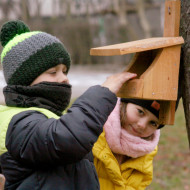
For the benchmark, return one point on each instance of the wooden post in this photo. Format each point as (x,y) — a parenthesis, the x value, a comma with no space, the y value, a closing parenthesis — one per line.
(172,18)
(171,29)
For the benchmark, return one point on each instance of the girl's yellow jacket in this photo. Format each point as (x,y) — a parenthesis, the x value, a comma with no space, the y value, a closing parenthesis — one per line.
(134,174)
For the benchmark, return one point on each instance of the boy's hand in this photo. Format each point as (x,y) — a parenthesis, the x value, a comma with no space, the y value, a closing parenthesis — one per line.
(115,82)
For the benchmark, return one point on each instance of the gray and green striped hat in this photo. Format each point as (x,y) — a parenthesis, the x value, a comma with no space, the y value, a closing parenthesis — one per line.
(27,54)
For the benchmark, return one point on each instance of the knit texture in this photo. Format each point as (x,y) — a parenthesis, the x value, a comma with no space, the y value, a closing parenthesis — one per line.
(151,105)
(27,54)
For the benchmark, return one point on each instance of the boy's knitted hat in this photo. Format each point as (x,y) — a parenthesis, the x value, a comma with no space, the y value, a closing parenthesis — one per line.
(27,54)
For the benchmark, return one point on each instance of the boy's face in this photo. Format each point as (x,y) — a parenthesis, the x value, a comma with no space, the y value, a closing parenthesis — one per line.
(139,121)
(54,74)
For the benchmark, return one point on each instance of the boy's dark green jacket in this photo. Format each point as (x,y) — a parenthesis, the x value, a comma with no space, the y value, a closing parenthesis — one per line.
(46,152)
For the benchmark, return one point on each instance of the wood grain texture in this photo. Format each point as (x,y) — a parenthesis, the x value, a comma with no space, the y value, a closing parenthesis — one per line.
(136,46)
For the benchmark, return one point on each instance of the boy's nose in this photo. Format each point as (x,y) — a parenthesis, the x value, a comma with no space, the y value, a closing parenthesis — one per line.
(62,78)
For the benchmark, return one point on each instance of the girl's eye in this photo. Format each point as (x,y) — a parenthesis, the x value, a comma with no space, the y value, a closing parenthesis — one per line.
(65,72)
(140,112)
(154,124)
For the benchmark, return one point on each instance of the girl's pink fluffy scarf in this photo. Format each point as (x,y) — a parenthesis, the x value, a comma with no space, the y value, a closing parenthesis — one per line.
(121,142)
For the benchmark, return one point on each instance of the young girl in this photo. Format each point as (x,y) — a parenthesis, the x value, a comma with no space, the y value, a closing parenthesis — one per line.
(46,150)
(124,152)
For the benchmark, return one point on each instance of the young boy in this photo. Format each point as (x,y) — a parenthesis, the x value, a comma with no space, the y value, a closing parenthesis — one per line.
(46,150)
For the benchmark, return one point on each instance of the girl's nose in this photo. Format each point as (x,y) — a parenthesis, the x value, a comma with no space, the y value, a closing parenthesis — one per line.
(142,125)
(62,78)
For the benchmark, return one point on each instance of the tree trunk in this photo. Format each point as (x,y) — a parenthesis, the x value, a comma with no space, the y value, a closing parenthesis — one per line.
(68,9)
(6,8)
(120,9)
(142,18)
(25,11)
(38,8)
(185,62)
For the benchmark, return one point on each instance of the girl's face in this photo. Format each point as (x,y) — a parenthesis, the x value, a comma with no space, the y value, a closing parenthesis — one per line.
(139,121)
(54,74)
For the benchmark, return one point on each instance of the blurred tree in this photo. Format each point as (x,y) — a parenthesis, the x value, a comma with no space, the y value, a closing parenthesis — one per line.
(54,6)
(88,4)
(24,9)
(7,6)
(38,8)
(185,61)
(68,9)
(142,17)
(119,7)
(102,34)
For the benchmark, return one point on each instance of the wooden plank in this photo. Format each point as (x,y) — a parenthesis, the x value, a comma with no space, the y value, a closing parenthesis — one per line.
(131,89)
(161,78)
(171,29)
(167,107)
(172,18)
(141,62)
(157,79)
(136,46)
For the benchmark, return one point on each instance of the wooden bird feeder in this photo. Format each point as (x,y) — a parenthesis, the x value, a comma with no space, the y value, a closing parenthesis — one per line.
(156,63)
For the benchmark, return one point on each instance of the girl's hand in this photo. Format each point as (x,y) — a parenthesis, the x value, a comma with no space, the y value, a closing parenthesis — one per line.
(115,82)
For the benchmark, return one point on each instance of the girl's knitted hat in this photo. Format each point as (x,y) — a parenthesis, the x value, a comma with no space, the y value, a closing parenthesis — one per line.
(151,105)
(27,54)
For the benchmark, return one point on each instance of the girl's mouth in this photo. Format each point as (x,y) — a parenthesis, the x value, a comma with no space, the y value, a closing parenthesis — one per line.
(135,131)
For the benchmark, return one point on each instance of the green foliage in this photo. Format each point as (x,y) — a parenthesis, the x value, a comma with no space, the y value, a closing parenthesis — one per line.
(172,163)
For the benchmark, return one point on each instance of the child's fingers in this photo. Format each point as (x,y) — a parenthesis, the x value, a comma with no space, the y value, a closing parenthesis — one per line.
(115,82)
(127,76)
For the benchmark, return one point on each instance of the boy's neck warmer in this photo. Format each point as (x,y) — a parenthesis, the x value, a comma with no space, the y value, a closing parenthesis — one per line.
(49,95)
(121,142)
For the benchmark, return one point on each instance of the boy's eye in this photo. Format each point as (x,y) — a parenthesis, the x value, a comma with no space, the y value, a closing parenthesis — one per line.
(52,72)
(65,72)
